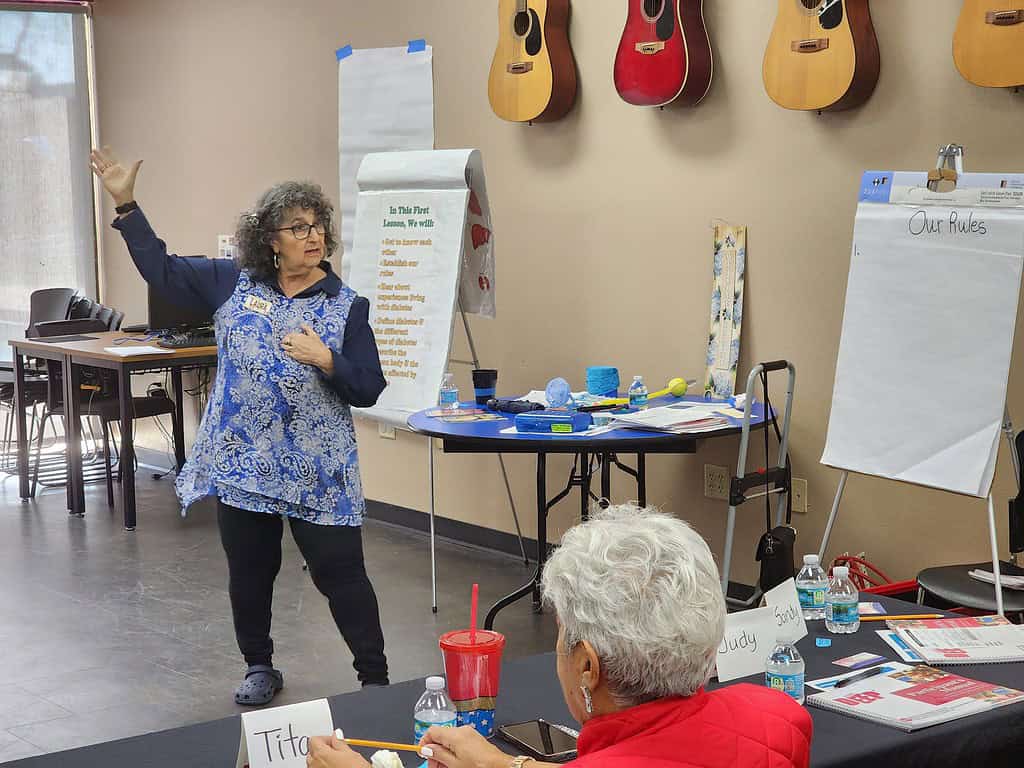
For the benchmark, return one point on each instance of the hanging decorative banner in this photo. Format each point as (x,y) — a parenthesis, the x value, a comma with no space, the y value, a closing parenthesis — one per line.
(726,310)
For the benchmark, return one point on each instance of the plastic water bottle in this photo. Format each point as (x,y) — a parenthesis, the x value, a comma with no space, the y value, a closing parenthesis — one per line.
(811,587)
(433,708)
(449,399)
(842,616)
(784,670)
(638,393)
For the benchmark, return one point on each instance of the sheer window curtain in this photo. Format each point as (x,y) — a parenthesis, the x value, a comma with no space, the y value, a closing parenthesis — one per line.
(47,220)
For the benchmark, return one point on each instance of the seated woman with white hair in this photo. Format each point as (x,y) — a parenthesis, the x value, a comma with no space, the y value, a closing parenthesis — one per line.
(641,615)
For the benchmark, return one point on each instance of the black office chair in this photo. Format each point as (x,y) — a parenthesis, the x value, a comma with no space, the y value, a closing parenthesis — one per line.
(82,308)
(48,304)
(104,315)
(45,304)
(952,585)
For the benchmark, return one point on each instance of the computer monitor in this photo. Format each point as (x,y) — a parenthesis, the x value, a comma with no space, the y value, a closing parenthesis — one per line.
(166,314)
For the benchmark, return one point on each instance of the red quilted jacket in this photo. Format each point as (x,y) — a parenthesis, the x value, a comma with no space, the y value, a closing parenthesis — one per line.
(740,725)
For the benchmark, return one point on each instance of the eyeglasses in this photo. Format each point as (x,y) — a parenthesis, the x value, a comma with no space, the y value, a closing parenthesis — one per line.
(301,231)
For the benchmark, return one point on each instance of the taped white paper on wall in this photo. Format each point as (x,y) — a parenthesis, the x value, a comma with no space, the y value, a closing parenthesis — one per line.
(413,227)
(924,356)
(385,103)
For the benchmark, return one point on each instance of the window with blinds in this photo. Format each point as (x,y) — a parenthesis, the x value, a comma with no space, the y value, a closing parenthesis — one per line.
(47,223)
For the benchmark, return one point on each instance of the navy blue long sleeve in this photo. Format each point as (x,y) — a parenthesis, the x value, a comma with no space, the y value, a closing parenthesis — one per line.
(198,281)
(357,377)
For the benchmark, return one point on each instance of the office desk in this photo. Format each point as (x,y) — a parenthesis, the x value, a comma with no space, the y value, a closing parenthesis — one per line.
(73,355)
(488,437)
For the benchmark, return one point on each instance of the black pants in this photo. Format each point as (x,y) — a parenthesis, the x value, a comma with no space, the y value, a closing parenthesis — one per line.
(334,554)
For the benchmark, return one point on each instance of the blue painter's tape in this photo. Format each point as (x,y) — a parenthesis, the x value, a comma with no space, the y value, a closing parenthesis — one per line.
(822,642)
(415,46)
(343,53)
(876,186)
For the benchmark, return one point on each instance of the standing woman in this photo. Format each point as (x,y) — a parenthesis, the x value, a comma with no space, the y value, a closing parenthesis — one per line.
(295,351)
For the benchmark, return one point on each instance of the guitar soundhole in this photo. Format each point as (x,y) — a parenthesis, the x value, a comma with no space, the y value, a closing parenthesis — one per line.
(810,5)
(521,23)
(653,9)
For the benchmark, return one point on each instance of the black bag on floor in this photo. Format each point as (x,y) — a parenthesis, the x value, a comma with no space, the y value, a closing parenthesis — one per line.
(775,549)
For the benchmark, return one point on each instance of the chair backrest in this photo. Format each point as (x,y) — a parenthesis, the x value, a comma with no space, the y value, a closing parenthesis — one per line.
(83,307)
(48,304)
(104,315)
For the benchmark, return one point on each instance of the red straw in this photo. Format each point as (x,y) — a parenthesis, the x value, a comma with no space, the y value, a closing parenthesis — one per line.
(472,614)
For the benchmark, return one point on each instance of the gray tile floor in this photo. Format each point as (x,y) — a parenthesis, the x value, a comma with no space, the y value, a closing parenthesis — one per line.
(106,634)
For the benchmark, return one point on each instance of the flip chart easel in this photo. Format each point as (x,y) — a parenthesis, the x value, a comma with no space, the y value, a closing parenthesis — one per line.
(921,378)
(422,248)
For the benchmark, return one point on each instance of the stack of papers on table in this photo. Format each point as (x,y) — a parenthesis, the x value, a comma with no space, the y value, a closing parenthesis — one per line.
(911,698)
(964,640)
(140,350)
(680,418)
(1008,582)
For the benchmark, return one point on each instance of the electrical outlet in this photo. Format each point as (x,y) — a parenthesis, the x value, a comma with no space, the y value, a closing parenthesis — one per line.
(799,489)
(386,431)
(716,482)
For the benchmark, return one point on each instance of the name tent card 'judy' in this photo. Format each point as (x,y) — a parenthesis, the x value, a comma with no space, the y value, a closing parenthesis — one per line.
(750,635)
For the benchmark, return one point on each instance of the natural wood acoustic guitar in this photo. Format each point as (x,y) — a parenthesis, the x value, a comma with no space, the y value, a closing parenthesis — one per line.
(533,75)
(988,46)
(822,55)
(664,54)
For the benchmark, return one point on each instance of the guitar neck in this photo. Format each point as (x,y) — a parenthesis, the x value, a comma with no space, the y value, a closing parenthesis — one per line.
(521,6)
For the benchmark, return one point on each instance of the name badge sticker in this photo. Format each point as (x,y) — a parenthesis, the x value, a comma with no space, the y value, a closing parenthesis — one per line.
(258,305)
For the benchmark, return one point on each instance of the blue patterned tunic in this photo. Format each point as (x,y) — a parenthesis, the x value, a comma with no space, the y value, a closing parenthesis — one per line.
(277,435)
(275,438)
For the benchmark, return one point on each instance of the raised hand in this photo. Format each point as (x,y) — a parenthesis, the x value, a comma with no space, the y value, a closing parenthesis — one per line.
(117,179)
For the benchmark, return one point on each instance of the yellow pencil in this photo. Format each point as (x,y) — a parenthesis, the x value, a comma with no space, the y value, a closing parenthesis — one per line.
(908,617)
(380,744)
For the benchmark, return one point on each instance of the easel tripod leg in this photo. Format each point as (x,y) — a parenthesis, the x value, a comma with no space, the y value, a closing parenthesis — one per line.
(832,515)
(433,554)
(995,556)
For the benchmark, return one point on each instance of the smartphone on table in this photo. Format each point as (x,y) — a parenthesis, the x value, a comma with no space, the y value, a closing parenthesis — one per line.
(542,740)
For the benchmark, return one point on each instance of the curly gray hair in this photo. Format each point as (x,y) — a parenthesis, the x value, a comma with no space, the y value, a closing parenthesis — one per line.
(256,227)
(643,589)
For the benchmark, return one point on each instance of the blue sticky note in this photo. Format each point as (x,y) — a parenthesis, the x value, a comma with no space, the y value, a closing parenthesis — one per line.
(415,46)
(343,53)
(822,642)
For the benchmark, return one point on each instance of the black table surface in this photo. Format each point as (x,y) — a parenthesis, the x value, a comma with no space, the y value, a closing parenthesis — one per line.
(530,689)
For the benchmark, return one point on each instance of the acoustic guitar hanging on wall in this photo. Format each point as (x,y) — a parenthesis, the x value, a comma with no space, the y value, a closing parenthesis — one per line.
(533,75)
(988,46)
(822,55)
(664,54)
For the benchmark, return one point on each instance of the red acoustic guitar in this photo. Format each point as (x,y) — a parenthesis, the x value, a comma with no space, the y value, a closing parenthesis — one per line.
(665,53)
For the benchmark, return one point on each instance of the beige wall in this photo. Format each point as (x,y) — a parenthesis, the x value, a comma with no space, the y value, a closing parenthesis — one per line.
(603,220)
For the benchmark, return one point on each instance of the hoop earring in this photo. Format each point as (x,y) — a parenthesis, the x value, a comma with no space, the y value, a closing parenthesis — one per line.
(588,700)
(277,261)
